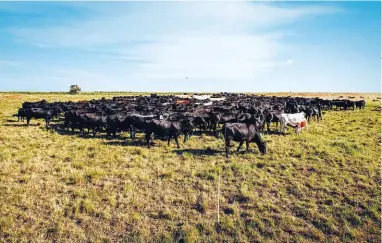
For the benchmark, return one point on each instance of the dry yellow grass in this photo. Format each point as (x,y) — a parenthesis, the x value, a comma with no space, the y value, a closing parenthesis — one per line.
(323,185)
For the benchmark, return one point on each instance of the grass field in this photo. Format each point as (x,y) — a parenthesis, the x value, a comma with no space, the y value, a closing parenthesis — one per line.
(323,185)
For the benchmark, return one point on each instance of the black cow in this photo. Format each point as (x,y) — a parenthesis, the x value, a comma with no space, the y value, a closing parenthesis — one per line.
(240,132)
(350,104)
(272,117)
(115,124)
(38,104)
(360,104)
(42,113)
(137,121)
(313,112)
(169,129)
(221,118)
(247,118)
(201,122)
(21,114)
(94,121)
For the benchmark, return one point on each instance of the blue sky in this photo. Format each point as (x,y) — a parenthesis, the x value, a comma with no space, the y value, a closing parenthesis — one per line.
(219,46)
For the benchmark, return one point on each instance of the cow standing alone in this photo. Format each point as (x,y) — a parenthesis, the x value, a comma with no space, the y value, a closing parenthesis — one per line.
(241,132)
(169,129)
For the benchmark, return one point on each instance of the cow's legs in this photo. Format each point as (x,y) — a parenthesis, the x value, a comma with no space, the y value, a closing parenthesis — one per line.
(247,145)
(148,135)
(238,148)
(282,128)
(168,140)
(227,145)
(108,133)
(186,137)
(214,129)
(176,140)
(46,123)
(134,131)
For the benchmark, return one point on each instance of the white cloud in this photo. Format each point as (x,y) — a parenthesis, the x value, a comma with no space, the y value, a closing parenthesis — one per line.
(146,21)
(168,41)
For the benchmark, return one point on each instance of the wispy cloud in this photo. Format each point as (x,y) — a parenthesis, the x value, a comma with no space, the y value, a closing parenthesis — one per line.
(168,41)
(122,24)
(155,45)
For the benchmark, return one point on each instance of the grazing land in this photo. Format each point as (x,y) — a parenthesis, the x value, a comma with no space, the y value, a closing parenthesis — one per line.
(321,185)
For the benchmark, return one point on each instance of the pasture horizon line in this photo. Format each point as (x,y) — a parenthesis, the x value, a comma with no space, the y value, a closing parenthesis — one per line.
(198,92)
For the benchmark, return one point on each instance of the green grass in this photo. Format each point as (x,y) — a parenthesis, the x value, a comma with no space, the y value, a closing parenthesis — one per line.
(323,185)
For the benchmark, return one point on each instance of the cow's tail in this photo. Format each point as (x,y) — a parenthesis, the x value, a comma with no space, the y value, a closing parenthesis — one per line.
(224,128)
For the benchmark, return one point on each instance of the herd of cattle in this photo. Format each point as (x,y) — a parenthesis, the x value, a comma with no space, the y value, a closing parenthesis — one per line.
(244,117)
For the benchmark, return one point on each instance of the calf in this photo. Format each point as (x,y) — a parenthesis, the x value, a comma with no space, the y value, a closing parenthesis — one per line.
(21,114)
(241,132)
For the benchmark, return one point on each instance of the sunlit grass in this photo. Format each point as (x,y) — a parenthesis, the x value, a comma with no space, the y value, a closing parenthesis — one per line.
(323,185)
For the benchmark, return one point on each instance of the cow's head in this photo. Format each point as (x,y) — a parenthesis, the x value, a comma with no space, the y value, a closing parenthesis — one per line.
(261,144)
(262,147)
(187,125)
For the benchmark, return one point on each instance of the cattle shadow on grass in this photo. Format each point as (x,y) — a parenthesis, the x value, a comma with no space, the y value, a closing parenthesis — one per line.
(271,132)
(61,130)
(136,142)
(11,121)
(198,152)
(21,125)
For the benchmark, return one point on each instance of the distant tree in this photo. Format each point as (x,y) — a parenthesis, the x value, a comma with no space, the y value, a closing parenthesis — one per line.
(74,89)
